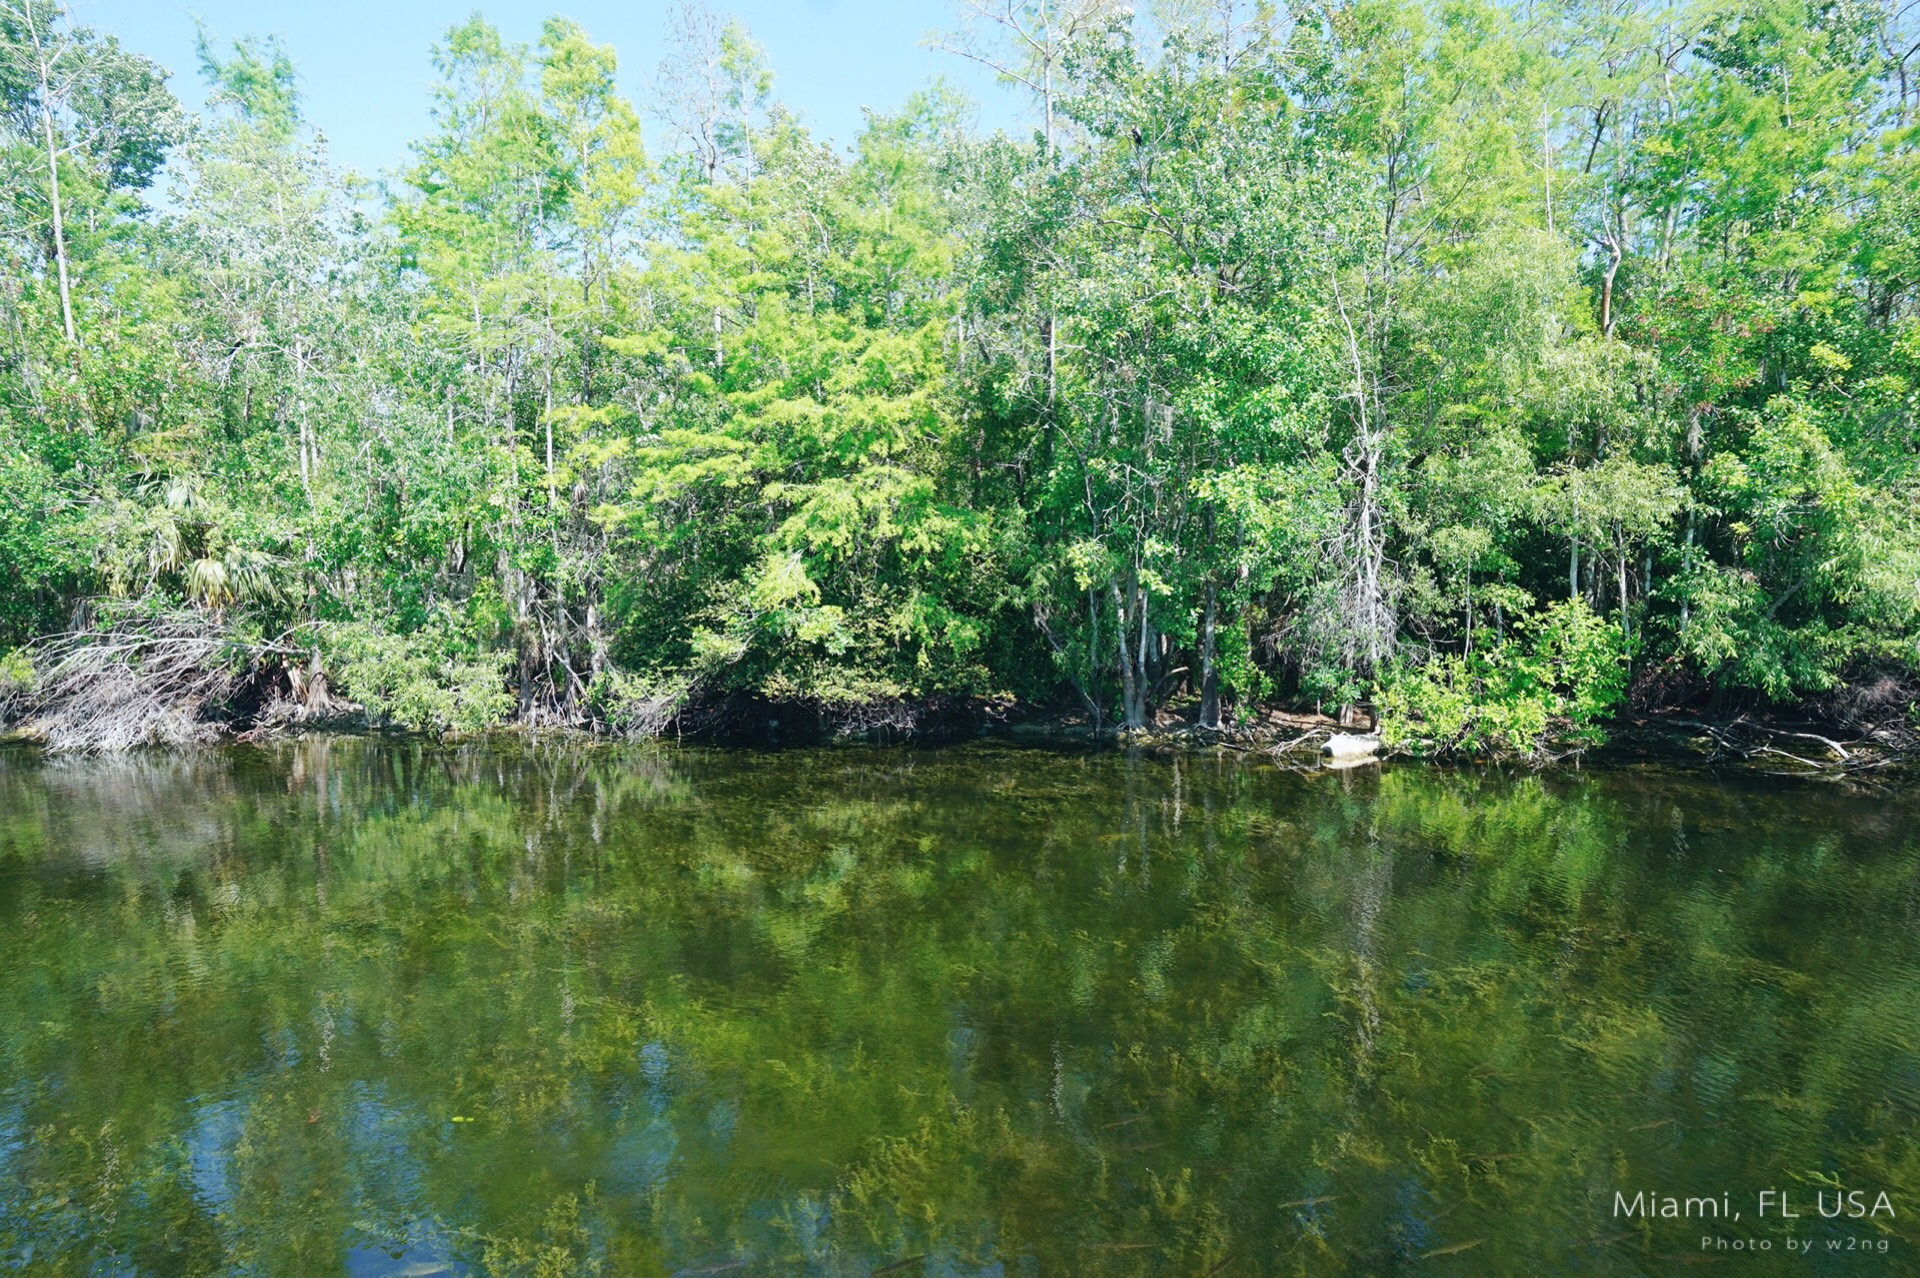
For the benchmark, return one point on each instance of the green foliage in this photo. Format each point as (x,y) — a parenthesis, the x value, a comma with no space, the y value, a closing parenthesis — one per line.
(1294,344)
(792,507)
(257,81)
(16,674)
(1554,682)
(639,705)
(430,681)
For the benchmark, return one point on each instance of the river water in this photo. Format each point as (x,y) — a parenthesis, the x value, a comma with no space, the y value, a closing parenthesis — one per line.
(343,1006)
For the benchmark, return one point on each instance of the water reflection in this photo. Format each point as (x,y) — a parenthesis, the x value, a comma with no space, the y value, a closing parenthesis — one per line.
(336,1005)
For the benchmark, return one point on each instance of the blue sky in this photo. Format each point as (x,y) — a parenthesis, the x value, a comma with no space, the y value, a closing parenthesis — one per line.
(364,63)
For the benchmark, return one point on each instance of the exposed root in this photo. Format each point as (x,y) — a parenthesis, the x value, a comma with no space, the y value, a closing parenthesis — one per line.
(874,718)
(1743,739)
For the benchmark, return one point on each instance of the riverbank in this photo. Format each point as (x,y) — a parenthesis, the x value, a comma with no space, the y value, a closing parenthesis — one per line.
(185,679)
(1781,745)
(1795,747)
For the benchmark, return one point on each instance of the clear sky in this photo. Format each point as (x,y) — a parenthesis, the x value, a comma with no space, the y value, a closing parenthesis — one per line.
(365,73)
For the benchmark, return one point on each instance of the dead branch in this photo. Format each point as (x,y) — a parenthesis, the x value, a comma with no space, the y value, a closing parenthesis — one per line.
(139,677)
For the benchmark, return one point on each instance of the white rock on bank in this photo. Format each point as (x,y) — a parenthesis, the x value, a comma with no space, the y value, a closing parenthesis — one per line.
(1350,745)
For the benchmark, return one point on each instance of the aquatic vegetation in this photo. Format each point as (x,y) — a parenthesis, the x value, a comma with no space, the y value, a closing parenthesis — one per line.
(553,1009)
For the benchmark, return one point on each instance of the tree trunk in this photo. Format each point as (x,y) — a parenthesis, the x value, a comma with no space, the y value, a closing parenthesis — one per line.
(1626,624)
(1133,693)
(1371,623)
(1606,289)
(1209,666)
(1686,566)
(1469,611)
(547,418)
(1143,657)
(1046,324)
(53,176)
(1093,661)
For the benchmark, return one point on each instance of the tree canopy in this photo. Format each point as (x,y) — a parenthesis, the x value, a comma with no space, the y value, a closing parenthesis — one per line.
(1508,365)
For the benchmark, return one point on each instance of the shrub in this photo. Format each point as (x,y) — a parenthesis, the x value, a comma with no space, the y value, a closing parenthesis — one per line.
(429,681)
(1559,676)
(16,674)
(640,705)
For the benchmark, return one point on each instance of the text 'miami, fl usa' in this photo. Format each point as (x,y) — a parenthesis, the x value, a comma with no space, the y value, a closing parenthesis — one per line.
(1852,1204)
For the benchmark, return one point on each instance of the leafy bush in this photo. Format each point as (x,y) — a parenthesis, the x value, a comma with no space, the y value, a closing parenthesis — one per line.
(1558,677)
(430,681)
(640,705)
(16,674)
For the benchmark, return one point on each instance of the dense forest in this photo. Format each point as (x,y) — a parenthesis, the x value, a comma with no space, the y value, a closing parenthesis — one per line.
(1513,367)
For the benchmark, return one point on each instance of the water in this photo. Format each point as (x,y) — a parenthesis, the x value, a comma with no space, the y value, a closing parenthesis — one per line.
(390,1009)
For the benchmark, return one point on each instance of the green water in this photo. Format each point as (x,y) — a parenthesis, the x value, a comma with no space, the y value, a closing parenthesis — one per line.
(339,1006)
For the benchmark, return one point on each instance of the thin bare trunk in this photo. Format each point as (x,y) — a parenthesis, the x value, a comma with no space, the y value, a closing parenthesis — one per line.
(45,73)
(1209,666)
(1607,316)
(1573,536)
(1370,622)
(1133,691)
(1469,609)
(1141,650)
(1123,657)
(1686,566)
(1093,656)
(1626,623)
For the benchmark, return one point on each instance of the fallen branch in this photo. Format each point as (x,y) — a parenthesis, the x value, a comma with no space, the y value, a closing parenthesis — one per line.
(142,677)
(1288,747)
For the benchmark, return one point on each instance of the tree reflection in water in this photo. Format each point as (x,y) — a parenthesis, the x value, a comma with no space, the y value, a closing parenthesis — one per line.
(393,1008)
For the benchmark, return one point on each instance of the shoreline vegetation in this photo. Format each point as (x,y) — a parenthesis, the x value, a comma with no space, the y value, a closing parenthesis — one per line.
(95,713)
(1517,385)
